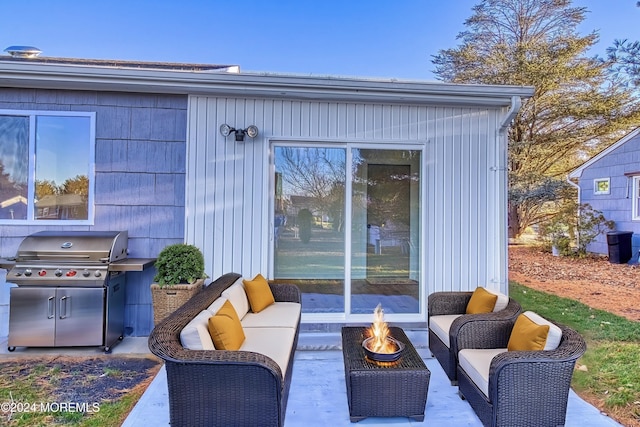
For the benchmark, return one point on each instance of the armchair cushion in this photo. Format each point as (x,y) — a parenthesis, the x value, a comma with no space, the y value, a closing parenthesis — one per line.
(527,335)
(476,363)
(555,333)
(441,325)
(481,301)
(501,302)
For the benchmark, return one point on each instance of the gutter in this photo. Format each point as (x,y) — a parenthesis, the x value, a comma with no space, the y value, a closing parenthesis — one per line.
(516,103)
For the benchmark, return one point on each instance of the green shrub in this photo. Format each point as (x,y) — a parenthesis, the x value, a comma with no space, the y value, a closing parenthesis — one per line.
(179,263)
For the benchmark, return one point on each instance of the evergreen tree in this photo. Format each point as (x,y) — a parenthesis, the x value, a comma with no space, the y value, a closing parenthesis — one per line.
(577,107)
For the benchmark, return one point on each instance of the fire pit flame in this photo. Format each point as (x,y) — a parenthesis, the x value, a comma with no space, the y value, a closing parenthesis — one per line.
(380,346)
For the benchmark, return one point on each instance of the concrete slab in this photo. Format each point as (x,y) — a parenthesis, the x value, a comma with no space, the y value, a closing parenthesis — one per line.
(318,394)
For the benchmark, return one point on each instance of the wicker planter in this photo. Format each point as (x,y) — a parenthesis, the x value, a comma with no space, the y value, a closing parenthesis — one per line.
(168,298)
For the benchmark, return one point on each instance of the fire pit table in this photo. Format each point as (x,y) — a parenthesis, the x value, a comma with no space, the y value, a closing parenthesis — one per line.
(383,389)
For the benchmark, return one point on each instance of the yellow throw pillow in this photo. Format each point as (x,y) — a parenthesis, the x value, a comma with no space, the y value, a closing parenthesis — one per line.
(527,335)
(225,328)
(259,293)
(481,301)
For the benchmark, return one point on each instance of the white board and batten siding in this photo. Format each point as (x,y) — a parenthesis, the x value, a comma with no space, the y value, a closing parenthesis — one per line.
(464,208)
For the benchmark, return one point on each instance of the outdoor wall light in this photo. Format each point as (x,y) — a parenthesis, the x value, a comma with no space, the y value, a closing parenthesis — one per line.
(251,132)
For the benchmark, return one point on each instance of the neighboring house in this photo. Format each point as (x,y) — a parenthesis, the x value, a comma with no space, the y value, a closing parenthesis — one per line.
(162,166)
(610,182)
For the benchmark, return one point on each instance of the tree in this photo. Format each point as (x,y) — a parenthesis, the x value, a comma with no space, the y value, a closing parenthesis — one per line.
(576,109)
(78,185)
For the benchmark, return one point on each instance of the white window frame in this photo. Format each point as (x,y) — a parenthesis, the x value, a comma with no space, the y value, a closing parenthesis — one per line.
(596,183)
(31,219)
(635,199)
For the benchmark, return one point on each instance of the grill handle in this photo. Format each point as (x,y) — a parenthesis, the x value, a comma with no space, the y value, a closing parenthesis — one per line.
(63,304)
(51,308)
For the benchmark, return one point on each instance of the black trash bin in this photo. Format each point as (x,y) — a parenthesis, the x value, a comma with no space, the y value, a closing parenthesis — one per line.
(619,243)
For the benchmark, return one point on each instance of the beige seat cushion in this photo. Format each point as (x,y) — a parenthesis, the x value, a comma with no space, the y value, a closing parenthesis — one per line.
(195,335)
(275,343)
(278,314)
(440,325)
(238,298)
(476,363)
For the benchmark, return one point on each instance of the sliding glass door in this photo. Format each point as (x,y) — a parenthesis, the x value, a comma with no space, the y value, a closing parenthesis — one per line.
(346,226)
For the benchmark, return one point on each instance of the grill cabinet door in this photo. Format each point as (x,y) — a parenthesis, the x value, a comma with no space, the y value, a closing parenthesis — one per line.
(79,317)
(32,317)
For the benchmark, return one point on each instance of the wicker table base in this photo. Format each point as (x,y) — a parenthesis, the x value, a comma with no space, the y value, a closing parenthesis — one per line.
(396,390)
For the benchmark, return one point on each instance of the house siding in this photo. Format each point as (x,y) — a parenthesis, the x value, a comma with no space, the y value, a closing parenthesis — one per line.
(139,177)
(465,178)
(617,205)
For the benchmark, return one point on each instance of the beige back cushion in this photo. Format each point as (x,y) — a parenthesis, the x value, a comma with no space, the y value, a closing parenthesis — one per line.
(501,302)
(195,335)
(237,297)
(555,333)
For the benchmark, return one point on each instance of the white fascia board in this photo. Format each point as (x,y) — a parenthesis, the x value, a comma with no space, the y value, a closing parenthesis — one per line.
(577,172)
(76,77)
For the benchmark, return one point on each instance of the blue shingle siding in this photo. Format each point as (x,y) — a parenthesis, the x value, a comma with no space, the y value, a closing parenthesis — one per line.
(139,181)
(617,205)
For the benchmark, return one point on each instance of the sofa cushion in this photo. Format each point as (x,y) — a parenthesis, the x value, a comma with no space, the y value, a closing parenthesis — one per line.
(476,363)
(278,314)
(195,335)
(501,302)
(481,301)
(441,325)
(259,293)
(275,343)
(215,305)
(225,328)
(238,298)
(555,333)
(527,335)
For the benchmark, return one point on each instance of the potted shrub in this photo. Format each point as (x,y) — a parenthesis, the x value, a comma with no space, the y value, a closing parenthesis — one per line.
(179,275)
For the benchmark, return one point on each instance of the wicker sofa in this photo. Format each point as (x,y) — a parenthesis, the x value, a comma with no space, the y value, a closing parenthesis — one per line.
(447,309)
(518,388)
(245,387)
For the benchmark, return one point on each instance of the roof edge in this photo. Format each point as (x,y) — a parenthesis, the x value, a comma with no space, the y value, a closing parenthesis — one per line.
(577,172)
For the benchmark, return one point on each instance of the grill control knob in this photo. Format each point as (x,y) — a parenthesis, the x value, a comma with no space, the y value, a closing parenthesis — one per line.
(58,273)
(98,273)
(86,273)
(28,272)
(42,273)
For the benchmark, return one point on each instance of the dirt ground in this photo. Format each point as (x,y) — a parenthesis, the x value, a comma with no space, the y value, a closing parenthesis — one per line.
(594,281)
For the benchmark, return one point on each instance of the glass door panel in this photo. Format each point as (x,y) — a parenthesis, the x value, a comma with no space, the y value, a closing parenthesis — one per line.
(385,230)
(309,224)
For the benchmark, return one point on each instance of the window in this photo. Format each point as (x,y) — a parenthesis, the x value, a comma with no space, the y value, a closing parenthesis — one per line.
(601,186)
(46,167)
(635,209)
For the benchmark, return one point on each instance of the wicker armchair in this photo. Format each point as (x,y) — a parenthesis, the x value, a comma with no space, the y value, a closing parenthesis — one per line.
(466,327)
(220,387)
(525,388)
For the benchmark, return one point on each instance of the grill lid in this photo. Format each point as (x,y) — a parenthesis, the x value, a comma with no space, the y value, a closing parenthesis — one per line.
(86,247)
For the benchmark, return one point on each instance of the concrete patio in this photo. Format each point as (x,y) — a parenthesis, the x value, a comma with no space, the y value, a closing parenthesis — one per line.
(318,392)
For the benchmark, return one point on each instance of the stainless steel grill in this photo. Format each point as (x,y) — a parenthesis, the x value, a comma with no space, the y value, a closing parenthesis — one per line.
(68,292)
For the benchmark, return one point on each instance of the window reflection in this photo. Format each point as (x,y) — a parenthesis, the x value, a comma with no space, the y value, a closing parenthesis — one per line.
(58,179)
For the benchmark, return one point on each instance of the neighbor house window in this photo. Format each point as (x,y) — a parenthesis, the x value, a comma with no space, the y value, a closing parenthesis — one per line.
(46,167)
(635,208)
(601,186)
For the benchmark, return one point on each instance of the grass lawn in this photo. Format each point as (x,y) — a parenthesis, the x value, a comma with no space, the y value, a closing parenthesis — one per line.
(608,375)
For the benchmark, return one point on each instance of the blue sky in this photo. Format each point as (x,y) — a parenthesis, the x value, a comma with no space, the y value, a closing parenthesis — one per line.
(374,38)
